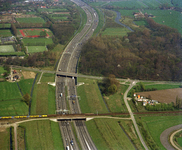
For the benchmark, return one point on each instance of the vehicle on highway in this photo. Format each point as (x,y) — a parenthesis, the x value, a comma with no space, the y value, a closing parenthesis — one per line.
(67,148)
(59,69)
(71,142)
(61,94)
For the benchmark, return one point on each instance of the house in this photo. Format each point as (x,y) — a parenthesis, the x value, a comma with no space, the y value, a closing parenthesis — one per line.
(14,71)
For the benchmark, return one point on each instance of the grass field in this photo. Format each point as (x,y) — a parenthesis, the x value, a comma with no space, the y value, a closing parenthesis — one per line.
(6,25)
(13,108)
(115,102)
(9,91)
(5,139)
(26,85)
(170,18)
(2,71)
(157,124)
(5,33)
(30,20)
(60,18)
(13,54)
(36,41)
(115,31)
(91,98)
(35,49)
(52,10)
(43,99)
(43,135)
(163,86)
(129,4)
(179,141)
(177,3)
(6,48)
(107,134)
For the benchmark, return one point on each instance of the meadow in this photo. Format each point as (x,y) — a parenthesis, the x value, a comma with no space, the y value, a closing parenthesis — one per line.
(91,98)
(13,108)
(2,71)
(35,49)
(6,48)
(5,33)
(12,54)
(52,10)
(157,124)
(47,130)
(115,31)
(107,134)
(26,85)
(5,139)
(30,20)
(9,91)
(43,99)
(60,18)
(37,41)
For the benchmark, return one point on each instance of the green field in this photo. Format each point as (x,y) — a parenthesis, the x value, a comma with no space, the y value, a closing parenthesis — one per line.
(157,124)
(115,102)
(60,18)
(42,135)
(107,134)
(177,3)
(170,18)
(2,70)
(140,23)
(128,13)
(5,139)
(35,49)
(5,33)
(180,141)
(13,54)
(36,41)
(6,25)
(52,10)
(30,20)
(163,86)
(91,98)
(9,91)
(43,99)
(129,4)
(115,31)
(6,48)
(26,85)
(13,108)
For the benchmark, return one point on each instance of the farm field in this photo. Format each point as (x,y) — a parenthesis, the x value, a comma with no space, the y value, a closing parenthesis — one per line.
(2,71)
(5,139)
(6,49)
(5,33)
(91,98)
(43,99)
(115,31)
(157,124)
(163,96)
(42,135)
(13,108)
(13,54)
(6,25)
(35,49)
(107,134)
(37,41)
(30,20)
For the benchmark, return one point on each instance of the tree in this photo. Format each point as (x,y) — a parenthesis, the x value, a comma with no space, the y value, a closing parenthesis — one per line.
(178,102)
(13,29)
(26,98)
(112,89)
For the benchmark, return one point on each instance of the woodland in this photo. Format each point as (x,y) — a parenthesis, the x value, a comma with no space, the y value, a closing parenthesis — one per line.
(154,53)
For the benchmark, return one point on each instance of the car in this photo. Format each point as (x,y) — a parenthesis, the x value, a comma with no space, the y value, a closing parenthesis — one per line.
(71,142)
(61,94)
(67,148)
(59,69)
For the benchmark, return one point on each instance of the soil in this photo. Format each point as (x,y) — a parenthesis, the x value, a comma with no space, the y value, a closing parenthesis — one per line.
(28,74)
(163,96)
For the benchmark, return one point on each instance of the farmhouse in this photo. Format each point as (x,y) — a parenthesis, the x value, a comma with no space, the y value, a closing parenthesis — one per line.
(138,15)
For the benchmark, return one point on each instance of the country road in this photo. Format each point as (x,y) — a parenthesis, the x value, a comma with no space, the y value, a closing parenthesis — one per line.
(133,83)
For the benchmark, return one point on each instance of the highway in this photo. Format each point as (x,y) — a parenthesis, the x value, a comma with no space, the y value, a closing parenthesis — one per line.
(66,94)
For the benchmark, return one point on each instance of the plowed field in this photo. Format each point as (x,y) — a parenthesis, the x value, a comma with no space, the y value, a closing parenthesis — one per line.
(163,96)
